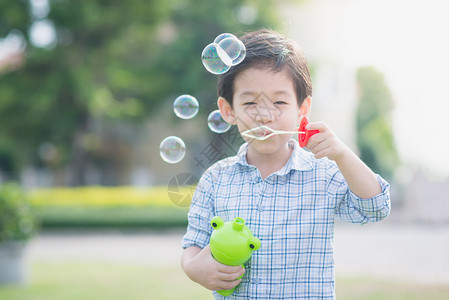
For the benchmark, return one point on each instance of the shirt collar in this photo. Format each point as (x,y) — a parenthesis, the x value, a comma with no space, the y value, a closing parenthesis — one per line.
(300,159)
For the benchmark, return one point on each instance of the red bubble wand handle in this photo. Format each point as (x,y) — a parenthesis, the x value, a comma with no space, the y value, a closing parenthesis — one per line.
(304,134)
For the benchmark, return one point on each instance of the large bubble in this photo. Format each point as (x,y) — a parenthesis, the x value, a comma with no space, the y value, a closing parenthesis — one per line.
(223,36)
(172,149)
(185,107)
(224,52)
(212,60)
(216,123)
(242,54)
(232,46)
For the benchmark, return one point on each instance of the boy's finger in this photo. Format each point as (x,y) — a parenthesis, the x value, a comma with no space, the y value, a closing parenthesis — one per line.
(231,276)
(321,126)
(229,269)
(323,153)
(227,285)
(320,146)
(316,139)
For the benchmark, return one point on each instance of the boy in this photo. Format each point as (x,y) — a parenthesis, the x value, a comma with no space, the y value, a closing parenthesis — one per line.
(288,197)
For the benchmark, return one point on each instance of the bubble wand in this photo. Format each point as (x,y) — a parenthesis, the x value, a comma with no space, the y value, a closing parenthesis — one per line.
(264,132)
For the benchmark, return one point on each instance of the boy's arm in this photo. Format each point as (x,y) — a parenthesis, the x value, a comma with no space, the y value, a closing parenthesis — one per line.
(361,180)
(197,261)
(202,268)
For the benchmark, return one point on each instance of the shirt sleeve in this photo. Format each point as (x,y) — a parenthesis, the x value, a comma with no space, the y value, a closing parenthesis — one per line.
(200,213)
(351,208)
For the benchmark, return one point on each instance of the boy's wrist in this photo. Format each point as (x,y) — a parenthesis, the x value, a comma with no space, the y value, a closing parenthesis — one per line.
(344,155)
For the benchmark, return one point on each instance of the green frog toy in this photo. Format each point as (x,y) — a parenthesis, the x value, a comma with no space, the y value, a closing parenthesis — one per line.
(232,243)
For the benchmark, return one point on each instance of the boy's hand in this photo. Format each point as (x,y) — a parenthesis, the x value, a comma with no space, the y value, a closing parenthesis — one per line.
(325,143)
(361,180)
(211,274)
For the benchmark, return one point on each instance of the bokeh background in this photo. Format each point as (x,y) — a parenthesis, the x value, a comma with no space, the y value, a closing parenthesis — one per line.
(86,97)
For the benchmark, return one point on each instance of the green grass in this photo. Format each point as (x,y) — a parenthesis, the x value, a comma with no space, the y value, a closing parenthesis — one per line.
(370,289)
(111,217)
(93,281)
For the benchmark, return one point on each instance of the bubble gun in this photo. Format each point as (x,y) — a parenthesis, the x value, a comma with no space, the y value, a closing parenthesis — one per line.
(232,244)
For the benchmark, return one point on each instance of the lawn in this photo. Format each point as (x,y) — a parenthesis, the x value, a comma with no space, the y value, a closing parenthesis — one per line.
(81,280)
(91,281)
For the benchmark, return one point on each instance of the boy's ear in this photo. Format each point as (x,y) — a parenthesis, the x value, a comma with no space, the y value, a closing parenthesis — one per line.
(304,109)
(226,111)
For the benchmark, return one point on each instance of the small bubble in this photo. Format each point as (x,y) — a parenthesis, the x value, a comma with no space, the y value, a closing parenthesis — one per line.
(216,122)
(185,107)
(172,149)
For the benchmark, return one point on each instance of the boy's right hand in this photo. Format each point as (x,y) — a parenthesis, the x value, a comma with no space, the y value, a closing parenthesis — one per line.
(205,270)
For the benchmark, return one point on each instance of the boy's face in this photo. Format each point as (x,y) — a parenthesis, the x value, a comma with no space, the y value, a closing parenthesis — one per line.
(264,97)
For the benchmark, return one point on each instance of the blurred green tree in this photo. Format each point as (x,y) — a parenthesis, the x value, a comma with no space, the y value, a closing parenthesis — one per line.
(109,65)
(374,117)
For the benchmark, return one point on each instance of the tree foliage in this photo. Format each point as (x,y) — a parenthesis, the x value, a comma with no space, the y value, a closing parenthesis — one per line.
(112,63)
(374,130)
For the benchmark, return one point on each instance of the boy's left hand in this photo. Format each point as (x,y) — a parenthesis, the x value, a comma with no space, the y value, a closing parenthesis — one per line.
(325,143)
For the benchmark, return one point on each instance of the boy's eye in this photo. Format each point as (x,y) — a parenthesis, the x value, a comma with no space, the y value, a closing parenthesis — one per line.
(249,103)
(280,102)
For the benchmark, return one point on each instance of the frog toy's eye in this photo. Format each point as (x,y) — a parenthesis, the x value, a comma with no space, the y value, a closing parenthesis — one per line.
(216,222)
(254,243)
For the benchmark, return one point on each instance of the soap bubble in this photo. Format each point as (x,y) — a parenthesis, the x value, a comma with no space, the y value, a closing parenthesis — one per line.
(232,46)
(224,52)
(172,149)
(212,59)
(216,122)
(223,36)
(234,49)
(242,54)
(185,107)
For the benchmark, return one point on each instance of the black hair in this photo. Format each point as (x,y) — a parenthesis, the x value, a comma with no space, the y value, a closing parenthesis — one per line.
(269,49)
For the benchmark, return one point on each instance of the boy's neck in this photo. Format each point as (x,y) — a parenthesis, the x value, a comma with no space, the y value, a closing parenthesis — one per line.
(267,164)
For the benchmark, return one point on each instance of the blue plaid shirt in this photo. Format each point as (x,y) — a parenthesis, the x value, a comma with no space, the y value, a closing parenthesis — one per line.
(292,212)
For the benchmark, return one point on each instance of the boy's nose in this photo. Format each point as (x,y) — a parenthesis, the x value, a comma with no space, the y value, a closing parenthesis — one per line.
(264,114)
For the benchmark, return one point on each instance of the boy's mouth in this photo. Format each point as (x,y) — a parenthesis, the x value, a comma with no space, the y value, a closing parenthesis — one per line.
(264,132)
(261,132)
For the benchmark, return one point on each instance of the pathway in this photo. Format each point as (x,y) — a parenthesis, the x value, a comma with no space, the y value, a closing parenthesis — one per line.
(383,250)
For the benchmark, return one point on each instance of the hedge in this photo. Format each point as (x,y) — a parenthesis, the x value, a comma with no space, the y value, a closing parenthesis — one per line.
(112,196)
(111,207)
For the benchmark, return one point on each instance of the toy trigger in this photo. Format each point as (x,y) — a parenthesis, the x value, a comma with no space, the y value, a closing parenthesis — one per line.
(304,134)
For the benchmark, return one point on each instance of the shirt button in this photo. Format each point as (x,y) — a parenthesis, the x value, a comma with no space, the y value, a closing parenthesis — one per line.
(256,280)
(260,208)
